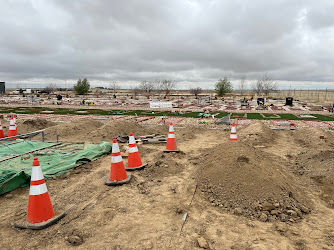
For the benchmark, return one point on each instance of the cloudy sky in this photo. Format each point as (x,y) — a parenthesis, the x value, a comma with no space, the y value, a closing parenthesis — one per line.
(192,42)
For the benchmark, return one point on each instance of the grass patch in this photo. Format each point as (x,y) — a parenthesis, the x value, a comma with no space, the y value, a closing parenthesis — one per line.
(255,116)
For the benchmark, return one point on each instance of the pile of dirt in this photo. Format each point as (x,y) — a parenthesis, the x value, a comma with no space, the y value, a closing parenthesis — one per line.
(37,124)
(252,183)
(257,133)
(74,131)
(319,166)
(164,164)
(121,128)
(315,137)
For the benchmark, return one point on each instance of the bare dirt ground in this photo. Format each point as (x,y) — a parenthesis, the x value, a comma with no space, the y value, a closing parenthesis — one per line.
(269,190)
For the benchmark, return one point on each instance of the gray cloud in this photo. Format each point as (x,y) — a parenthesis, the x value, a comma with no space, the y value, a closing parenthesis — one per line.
(189,42)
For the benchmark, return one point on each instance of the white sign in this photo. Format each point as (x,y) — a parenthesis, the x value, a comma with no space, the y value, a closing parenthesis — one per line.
(161,105)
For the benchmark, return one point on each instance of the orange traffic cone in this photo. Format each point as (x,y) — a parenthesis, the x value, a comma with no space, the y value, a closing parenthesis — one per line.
(12,131)
(171,142)
(2,135)
(118,175)
(233,136)
(40,211)
(134,161)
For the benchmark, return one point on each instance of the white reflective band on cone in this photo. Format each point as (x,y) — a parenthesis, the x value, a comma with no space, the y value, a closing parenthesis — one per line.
(233,136)
(133,149)
(132,140)
(116,159)
(36,173)
(115,148)
(38,189)
(171,135)
(171,128)
(233,130)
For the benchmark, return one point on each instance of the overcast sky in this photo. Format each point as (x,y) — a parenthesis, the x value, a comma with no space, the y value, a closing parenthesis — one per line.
(192,42)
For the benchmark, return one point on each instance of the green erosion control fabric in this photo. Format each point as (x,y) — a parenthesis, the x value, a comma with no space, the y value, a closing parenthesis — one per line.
(54,161)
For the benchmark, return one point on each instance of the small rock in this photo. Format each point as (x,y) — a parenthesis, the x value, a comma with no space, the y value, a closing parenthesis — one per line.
(263,217)
(281,227)
(158,163)
(74,240)
(274,212)
(292,213)
(322,137)
(267,206)
(276,204)
(283,217)
(9,196)
(237,211)
(178,210)
(304,209)
(202,243)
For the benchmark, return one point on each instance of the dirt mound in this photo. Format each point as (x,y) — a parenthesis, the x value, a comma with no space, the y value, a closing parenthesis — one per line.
(163,165)
(315,137)
(257,133)
(252,183)
(120,128)
(319,167)
(74,132)
(36,124)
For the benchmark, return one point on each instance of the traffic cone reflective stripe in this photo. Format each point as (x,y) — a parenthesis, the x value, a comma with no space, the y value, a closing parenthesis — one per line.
(134,160)
(233,135)
(171,141)
(39,206)
(14,118)
(118,174)
(2,135)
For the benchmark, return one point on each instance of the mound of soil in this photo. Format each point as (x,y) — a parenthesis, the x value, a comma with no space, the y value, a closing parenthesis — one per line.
(257,133)
(74,132)
(252,183)
(120,128)
(319,167)
(164,164)
(36,124)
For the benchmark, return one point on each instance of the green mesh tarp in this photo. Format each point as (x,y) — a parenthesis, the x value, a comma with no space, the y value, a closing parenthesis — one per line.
(54,160)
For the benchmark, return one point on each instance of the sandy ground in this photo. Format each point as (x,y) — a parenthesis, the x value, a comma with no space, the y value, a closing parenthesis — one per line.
(147,213)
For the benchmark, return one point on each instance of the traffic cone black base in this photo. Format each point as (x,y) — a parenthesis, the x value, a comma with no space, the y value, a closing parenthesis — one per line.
(136,168)
(170,151)
(116,183)
(36,226)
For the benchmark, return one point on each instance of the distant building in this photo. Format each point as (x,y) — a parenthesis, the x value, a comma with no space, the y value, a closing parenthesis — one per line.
(2,88)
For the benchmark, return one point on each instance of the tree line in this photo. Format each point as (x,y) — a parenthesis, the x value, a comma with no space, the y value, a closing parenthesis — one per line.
(264,85)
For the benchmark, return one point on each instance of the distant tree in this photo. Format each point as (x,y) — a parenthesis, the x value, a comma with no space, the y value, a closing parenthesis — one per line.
(51,88)
(146,87)
(167,86)
(223,86)
(196,91)
(82,87)
(264,85)
(114,87)
(269,85)
(258,87)
(242,84)
(158,86)
(135,91)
